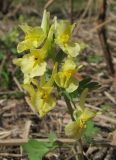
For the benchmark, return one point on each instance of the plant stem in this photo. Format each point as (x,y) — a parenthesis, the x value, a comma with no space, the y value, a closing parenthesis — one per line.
(69,107)
(81,150)
(80,155)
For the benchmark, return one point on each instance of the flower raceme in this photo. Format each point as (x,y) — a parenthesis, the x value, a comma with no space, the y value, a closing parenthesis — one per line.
(41,45)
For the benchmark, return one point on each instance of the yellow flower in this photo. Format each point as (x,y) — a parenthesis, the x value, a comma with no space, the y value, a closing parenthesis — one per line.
(65,79)
(62,38)
(82,115)
(63,32)
(32,64)
(34,36)
(75,129)
(41,98)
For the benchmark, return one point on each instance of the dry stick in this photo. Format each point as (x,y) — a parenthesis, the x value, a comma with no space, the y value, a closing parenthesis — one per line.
(103,37)
(103,24)
(18,142)
(10,155)
(48,4)
(83,15)
(71,10)
(27,129)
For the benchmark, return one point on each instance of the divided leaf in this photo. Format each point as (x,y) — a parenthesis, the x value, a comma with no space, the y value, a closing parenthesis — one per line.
(85,83)
(90,132)
(36,150)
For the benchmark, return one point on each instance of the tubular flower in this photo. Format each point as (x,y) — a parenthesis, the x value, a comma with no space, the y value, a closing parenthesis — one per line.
(32,64)
(62,38)
(65,78)
(33,38)
(41,98)
(76,128)
(82,115)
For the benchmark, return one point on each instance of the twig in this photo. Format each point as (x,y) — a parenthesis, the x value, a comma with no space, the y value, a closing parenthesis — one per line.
(10,155)
(48,4)
(81,155)
(110,97)
(71,10)
(107,119)
(18,84)
(26,129)
(83,15)
(102,24)
(17,142)
(103,37)
(9,92)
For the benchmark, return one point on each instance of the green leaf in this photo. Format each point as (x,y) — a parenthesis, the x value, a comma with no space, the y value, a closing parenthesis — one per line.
(1,55)
(94,59)
(90,131)
(85,83)
(52,137)
(60,56)
(5,76)
(105,108)
(36,150)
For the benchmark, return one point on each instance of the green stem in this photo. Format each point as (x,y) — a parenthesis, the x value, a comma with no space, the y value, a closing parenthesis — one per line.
(70,109)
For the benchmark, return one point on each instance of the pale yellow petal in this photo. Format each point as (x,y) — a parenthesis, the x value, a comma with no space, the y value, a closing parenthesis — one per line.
(72,85)
(38,69)
(69,64)
(24,45)
(87,115)
(73,49)
(74,130)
